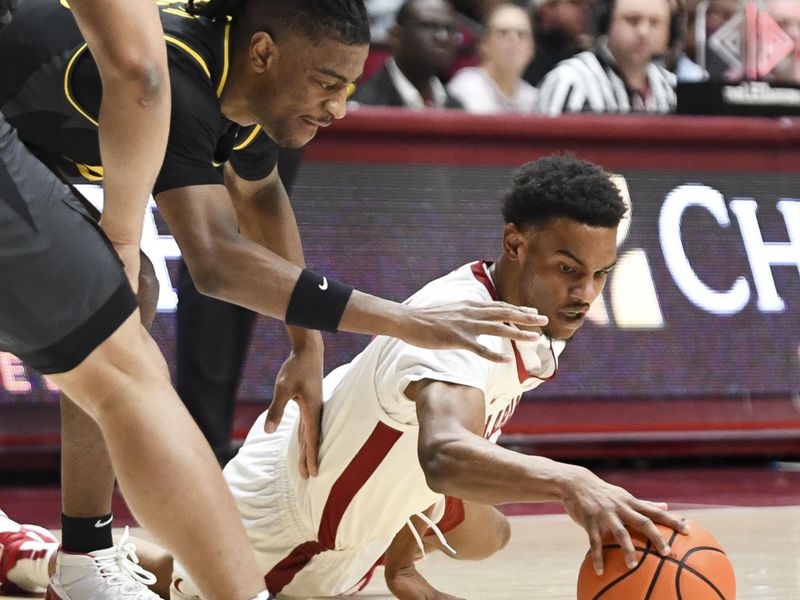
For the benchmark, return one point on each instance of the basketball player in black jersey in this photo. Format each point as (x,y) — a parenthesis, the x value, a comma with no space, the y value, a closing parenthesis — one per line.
(67,308)
(244,75)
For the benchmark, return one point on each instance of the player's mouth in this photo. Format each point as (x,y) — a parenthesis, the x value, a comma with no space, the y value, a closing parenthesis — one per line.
(315,122)
(573,318)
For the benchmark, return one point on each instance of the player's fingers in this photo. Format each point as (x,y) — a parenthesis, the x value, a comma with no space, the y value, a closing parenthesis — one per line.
(657,511)
(596,549)
(622,536)
(303,457)
(484,352)
(276,408)
(645,524)
(502,311)
(311,413)
(311,449)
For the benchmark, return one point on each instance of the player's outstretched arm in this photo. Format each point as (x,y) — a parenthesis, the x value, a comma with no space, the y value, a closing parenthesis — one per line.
(127,42)
(459,462)
(229,266)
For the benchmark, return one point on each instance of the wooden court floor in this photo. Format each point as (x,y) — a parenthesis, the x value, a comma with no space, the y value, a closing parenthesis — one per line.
(541,561)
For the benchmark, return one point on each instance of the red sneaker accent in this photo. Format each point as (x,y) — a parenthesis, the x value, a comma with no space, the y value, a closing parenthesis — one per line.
(11,553)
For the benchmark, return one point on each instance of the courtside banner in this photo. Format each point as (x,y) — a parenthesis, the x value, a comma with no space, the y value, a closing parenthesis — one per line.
(704,301)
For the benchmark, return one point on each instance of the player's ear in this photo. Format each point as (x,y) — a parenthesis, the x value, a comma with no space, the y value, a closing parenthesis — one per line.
(263,51)
(513,240)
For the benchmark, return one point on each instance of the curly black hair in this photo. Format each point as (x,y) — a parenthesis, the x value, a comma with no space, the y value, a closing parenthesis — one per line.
(343,20)
(562,186)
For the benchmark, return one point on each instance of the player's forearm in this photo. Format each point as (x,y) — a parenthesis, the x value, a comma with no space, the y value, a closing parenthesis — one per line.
(480,471)
(126,40)
(266,217)
(133,137)
(250,275)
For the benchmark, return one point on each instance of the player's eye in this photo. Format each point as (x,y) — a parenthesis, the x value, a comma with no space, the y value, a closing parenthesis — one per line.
(565,268)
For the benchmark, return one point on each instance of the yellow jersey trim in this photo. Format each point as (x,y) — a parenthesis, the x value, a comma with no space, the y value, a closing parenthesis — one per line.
(68,91)
(249,140)
(89,172)
(225,59)
(190,51)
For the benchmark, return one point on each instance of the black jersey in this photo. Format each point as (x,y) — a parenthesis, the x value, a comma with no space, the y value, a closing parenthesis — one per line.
(50,90)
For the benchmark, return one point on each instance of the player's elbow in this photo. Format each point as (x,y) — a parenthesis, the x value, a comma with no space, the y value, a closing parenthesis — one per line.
(207,279)
(439,465)
(150,81)
(140,76)
(204,267)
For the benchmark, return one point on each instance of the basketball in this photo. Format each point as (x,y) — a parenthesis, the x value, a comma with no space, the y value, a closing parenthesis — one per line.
(697,568)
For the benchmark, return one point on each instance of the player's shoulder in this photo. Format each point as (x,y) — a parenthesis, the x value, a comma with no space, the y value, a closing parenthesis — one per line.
(469,282)
(196,43)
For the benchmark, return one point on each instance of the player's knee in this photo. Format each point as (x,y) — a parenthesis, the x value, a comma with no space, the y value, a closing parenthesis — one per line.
(503,533)
(489,545)
(148,291)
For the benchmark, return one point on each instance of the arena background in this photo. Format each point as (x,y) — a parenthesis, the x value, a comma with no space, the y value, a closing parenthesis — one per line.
(703,309)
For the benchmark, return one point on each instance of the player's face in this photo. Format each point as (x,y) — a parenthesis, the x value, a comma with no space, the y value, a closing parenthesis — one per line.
(562,267)
(304,87)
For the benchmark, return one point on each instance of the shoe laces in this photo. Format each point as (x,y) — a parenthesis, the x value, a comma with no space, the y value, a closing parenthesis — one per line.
(122,568)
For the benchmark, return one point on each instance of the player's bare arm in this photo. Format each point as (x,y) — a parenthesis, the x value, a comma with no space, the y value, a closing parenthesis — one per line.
(126,40)
(228,266)
(458,461)
(265,216)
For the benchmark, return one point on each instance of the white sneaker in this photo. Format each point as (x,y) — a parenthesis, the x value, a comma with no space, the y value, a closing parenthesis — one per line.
(25,552)
(109,574)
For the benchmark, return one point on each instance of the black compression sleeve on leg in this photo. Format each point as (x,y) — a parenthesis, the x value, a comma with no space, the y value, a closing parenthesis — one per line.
(317,302)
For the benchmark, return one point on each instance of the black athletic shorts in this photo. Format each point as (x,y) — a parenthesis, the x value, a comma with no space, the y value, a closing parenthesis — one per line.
(62,287)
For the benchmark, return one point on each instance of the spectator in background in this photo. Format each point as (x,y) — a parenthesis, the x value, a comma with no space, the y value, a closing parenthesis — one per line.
(677,59)
(423,43)
(621,75)
(506,48)
(559,33)
(7,8)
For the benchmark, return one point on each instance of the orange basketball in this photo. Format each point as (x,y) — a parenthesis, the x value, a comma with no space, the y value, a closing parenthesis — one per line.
(697,568)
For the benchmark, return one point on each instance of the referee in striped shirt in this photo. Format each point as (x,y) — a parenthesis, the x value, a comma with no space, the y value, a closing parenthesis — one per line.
(622,73)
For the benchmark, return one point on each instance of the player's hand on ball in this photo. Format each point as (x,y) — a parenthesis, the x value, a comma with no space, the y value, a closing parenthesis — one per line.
(459,325)
(599,506)
(300,379)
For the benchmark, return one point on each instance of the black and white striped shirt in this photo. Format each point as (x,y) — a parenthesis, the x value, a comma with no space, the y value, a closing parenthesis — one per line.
(591,82)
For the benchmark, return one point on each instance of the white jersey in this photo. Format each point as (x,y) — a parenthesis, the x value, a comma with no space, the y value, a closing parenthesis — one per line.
(321,536)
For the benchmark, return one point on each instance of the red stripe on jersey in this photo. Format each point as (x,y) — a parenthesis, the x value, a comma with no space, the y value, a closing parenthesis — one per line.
(479,271)
(366,461)
(453,515)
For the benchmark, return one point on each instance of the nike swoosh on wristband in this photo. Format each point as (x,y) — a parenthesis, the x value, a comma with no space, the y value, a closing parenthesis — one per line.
(324,284)
(98,524)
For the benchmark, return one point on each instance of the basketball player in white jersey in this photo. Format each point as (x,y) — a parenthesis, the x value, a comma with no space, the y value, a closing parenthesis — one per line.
(408,461)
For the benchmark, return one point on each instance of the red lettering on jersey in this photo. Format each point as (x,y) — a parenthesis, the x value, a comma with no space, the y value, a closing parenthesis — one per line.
(496,422)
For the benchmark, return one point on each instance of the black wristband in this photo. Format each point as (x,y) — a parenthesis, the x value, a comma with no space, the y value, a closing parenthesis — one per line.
(317,302)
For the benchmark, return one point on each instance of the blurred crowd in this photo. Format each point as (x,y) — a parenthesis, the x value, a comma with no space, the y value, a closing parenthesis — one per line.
(556,56)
